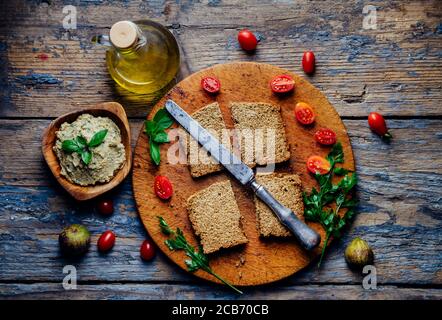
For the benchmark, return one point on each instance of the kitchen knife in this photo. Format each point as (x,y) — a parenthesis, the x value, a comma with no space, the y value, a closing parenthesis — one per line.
(308,237)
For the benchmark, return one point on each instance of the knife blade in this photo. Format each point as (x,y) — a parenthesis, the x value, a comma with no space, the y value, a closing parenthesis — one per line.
(308,237)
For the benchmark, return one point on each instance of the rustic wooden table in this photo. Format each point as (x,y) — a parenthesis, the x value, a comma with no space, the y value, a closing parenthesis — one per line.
(396,69)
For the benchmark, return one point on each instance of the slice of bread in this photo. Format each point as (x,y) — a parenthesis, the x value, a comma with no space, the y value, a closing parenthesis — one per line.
(211,119)
(215,217)
(287,189)
(257,115)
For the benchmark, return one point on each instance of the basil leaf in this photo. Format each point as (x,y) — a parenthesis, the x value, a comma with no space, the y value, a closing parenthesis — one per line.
(86,157)
(160,114)
(97,138)
(161,137)
(70,146)
(162,119)
(349,203)
(155,152)
(336,154)
(149,127)
(81,142)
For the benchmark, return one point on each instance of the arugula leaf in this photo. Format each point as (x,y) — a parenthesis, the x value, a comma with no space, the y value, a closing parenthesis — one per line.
(70,146)
(97,138)
(149,127)
(81,142)
(162,119)
(336,154)
(317,204)
(155,152)
(86,157)
(80,145)
(155,131)
(164,226)
(198,260)
(341,171)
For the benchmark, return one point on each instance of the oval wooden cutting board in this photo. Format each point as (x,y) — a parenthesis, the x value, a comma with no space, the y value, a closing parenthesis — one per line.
(260,261)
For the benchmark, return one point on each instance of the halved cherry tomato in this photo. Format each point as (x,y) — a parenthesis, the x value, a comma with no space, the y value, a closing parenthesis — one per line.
(106,241)
(163,187)
(317,164)
(377,123)
(210,84)
(325,136)
(304,113)
(308,62)
(147,250)
(282,83)
(247,40)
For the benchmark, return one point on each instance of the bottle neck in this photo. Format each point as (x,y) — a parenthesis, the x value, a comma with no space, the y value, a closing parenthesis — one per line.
(137,44)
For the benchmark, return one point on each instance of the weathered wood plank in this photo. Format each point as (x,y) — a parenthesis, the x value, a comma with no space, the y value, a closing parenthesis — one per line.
(395,69)
(203,292)
(22,164)
(399,213)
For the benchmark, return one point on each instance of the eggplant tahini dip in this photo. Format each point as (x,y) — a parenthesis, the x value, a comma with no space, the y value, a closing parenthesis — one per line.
(107,158)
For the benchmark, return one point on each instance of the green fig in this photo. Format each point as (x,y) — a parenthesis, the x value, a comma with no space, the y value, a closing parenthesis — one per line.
(358,253)
(74,240)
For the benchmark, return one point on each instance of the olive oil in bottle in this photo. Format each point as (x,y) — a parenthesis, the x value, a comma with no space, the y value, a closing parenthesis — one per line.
(144,56)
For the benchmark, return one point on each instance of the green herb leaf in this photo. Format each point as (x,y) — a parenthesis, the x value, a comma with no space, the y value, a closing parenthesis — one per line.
(70,146)
(86,157)
(161,137)
(349,203)
(318,204)
(155,130)
(154,152)
(81,142)
(164,226)
(97,138)
(162,119)
(149,127)
(198,260)
(348,182)
(336,154)
(341,171)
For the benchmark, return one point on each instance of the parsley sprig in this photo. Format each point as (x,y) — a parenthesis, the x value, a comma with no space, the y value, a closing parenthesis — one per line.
(80,145)
(198,260)
(155,131)
(318,203)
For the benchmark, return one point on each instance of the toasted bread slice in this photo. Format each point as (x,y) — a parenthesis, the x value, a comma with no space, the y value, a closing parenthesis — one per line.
(215,217)
(287,189)
(266,146)
(200,162)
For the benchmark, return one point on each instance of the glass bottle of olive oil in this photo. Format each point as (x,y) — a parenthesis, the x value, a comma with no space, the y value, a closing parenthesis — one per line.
(144,56)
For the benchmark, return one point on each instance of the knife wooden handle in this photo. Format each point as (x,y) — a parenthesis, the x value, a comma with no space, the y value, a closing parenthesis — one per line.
(308,237)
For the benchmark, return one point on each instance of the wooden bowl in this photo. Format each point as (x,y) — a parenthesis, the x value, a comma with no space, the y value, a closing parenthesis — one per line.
(112,110)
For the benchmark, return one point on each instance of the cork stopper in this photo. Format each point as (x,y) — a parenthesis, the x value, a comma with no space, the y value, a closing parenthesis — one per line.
(123,34)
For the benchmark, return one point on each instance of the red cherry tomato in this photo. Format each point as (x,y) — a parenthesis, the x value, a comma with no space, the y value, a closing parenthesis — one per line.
(106,207)
(163,187)
(147,250)
(304,113)
(377,123)
(210,84)
(247,40)
(325,136)
(308,62)
(106,241)
(317,164)
(282,83)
